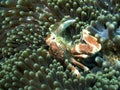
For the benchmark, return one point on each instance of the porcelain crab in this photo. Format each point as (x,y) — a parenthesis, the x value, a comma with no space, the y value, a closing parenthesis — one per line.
(60,50)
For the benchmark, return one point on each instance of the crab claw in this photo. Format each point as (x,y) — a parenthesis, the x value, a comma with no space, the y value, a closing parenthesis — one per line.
(91,41)
(91,46)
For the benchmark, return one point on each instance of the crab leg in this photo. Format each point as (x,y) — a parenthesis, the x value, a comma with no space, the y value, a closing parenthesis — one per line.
(74,70)
(79,64)
(81,56)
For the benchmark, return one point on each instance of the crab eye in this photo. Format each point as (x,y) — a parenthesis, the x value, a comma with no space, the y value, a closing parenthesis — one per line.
(53,37)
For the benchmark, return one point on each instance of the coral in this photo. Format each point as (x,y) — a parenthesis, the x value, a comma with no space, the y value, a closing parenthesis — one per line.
(26,64)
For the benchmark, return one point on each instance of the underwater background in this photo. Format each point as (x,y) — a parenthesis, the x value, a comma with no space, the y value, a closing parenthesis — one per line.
(25,60)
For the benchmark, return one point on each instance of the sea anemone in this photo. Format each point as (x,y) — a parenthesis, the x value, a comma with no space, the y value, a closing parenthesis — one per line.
(26,64)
